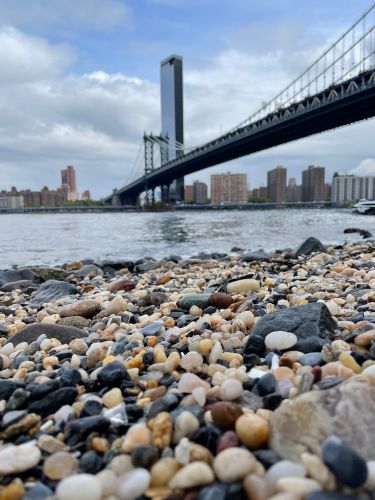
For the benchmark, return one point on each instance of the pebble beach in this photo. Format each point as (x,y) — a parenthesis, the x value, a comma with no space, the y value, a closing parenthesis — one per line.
(247,375)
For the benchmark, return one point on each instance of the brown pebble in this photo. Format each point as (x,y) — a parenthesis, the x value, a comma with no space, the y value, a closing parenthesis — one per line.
(225,414)
(220,300)
(122,284)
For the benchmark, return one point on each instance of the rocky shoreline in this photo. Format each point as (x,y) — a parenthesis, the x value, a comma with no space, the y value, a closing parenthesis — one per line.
(219,377)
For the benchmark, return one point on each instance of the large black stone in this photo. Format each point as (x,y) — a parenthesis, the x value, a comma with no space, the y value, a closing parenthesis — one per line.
(144,456)
(84,426)
(113,374)
(38,391)
(51,403)
(7,387)
(51,290)
(310,246)
(312,323)
(64,334)
(347,465)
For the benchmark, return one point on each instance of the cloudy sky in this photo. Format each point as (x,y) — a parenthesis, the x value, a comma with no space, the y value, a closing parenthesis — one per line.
(79,83)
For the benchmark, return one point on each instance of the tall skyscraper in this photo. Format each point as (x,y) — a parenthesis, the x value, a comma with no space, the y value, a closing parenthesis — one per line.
(199,192)
(276,184)
(229,188)
(172,114)
(313,188)
(68,177)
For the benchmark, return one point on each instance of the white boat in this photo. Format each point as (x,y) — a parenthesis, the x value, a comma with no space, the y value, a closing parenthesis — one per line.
(364,207)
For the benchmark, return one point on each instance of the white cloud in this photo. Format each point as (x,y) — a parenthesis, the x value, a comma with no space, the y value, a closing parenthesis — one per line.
(25,58)
(365,168)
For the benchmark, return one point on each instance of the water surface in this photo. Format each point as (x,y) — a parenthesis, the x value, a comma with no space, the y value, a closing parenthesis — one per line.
(57,238)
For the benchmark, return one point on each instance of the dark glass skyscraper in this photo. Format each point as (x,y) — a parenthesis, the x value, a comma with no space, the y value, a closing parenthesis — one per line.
(172,114)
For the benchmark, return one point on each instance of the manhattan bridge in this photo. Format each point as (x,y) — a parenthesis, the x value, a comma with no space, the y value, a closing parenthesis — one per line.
(337,89)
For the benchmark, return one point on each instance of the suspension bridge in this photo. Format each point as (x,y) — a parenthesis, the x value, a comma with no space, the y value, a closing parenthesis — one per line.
(337,89)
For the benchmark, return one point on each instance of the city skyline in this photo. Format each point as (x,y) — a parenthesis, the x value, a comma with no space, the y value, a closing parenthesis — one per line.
(76,103)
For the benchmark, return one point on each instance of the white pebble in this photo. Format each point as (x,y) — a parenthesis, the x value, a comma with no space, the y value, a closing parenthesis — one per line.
(231,389)
(285,468)
(133,484)
(193,474)
(79,487)
(15,459)
(280,340)
(233,464)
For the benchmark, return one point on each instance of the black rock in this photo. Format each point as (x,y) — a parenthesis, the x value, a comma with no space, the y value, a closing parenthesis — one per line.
(38,492)
(3,330)
(48,405)
(272,401)
(17,275)
(18,285)
(257,255)
(91,408)
(311,323)
(347,465)
(265,385)
(255,345)
(38,391)
(167,403)
(7,387)
(91,462)
(267,457)
(113,374)
(51,290)
(70,377)
(210,310)
(215,491)
(363,232)
(309,246)
(18,360)
(134,412)
(208,437)
(64,334)
(184,320)
(235,491)
(144,456)
(18,400)
(83,426)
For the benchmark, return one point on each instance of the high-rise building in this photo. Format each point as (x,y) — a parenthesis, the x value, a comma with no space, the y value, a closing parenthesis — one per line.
(172,114)
(293,190)
(199,192)
(352,188)
(68,177)
(276,184)
(229,188)
(189,193)
(313,188)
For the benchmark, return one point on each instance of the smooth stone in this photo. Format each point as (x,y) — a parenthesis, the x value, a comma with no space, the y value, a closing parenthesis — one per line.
(152,328)
(48,405)
(51,290)
(89,270)
(243,286)
(231,389)
(265,385)
(38,492)
(191,475)
(191,360)
(214,491)
(285,468)
(185,424)
(225,414)
(227,440)
(311,323)
(257,487)
(137,435)
(59,465)
(298,486)
(86,308)
(121,284)
(18,285)
(112,398)
(79,487)
(163,471)
(193,299)
(253,431)
(17,275)
(133,484)
(30,333)
(113,374)
(86,425)
(189,381)
(44,273)
(330,495)
(280,340)
(144,456)
(75,321)
(220,300)
(311,359)
(329,411)
(16,459)
(347,465)
(233,464)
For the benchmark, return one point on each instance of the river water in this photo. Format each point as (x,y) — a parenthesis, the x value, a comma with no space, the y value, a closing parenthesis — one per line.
(27,239)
